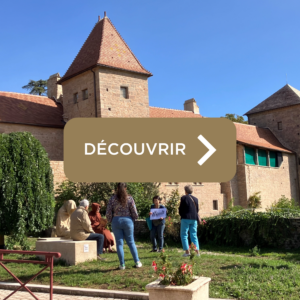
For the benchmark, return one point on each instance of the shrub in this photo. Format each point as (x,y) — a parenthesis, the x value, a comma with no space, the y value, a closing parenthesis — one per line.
(247,228)
(254,201)
(100,192)
(26,183)
(182,275)
(172,203)
(172,229)
(231,208)
(285,203)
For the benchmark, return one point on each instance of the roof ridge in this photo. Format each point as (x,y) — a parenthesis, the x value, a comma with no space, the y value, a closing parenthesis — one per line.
(81,48)
(247,124)
(173,109)
(126,45)
(26,94)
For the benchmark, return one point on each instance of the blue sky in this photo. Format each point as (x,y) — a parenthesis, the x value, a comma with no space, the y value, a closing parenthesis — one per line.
(228,55)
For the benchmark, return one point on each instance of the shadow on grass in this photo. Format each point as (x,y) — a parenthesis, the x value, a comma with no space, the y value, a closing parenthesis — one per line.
(255,266)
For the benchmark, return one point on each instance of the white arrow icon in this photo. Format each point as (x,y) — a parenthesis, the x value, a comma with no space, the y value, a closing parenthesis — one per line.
(209,146)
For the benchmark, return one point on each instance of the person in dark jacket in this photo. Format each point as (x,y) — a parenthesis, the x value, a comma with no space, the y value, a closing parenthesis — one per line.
(158,226)
(188,211)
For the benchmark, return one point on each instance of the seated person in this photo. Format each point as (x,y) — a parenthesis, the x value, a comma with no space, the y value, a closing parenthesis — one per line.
(81,228)
(99,224)
(63,219)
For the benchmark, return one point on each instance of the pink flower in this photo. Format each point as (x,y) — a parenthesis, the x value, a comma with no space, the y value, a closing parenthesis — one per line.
(154,268)
(164,268)
(154,263)
(162,275)
(163,250)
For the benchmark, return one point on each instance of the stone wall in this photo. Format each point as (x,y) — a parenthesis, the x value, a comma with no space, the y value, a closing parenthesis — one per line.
(50,138)
(271,182)
(112,104)
(206,192)
(83,108)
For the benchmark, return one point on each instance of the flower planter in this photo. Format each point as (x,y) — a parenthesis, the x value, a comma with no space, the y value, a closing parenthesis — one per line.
(197,290)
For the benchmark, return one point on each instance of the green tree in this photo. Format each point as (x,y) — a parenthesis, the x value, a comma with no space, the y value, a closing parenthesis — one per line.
(36,87)
(26,187)
(235,118)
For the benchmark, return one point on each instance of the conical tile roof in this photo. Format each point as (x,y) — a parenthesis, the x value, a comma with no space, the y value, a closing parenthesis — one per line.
(104,47)
(286,96)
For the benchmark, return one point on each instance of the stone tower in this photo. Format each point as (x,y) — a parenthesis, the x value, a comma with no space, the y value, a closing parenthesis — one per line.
(281,114)
(105,79)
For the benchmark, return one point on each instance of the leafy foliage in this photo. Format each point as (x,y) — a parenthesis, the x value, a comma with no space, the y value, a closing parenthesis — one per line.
(172,203)
(285,203)
(172,229)
(26,183)
(245,227)
(182,275)
(231,208)
(235,118)
(100,192)
(254,251)
(36,87)
(254,201)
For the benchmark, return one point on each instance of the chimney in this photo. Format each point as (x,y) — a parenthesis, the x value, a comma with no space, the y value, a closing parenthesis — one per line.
(191,105)
(54,90)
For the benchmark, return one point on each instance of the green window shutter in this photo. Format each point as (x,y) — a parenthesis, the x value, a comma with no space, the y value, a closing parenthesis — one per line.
(273,159)
(262,157)
(250,156)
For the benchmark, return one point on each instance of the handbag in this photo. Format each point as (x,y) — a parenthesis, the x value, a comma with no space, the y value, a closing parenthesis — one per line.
(198,218)
(149,223)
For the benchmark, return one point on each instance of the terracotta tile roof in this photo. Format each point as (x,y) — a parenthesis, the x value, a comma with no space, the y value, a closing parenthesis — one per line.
(256,136)
(30,109)
(286,96)
(104,47)
(158,112)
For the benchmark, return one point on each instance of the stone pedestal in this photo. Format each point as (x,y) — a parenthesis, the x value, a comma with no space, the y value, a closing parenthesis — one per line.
(73,252)
(198,289)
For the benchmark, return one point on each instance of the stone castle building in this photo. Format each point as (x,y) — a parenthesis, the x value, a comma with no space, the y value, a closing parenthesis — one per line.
(107,80)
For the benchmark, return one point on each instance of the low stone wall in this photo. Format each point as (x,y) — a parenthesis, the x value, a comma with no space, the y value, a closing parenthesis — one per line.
(141,228)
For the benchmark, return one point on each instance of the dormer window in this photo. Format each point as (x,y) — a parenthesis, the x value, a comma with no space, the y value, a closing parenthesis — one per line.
(85,94)
(124,92)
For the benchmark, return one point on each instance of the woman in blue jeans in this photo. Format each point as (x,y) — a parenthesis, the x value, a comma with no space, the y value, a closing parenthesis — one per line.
(121,211)
(188,211)
(158,226)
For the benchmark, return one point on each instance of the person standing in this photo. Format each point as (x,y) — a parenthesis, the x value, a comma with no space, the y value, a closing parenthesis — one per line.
(121,212)
(81,228)
(158,226)
(188,211)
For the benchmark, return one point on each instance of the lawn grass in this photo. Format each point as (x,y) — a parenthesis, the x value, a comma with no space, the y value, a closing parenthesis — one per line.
(271,275)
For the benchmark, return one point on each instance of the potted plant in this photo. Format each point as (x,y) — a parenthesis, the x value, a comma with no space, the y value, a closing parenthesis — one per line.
(178,283)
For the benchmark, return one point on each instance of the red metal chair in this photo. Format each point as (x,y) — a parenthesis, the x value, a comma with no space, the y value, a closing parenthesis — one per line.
(49,258)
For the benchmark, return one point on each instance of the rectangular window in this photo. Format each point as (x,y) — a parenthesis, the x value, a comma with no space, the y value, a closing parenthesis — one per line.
(124,92)
(85,94)
(279,124)
(250,156)
(215,205)
(262,157)
(273,159)
(75,98)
